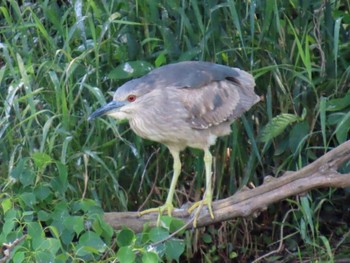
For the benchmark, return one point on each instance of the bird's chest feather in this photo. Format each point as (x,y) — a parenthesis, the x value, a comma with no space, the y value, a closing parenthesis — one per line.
(161,122)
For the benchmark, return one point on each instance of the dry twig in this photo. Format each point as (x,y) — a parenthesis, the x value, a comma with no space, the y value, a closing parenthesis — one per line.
(8,247)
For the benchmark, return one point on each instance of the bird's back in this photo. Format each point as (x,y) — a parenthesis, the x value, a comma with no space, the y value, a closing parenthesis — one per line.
(187,74)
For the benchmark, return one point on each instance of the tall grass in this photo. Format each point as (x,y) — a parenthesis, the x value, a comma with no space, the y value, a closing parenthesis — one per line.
(60,60)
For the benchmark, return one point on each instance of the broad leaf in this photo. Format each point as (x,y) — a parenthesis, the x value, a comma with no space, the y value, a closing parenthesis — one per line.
(174,249)
(125,237)
(126,255)
(277,125)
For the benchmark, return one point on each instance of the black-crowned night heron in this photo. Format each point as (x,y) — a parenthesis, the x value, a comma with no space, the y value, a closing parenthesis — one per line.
(187,104)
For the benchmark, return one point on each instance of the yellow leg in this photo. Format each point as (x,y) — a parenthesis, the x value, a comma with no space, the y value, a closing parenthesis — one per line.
(208,194)
(168,206)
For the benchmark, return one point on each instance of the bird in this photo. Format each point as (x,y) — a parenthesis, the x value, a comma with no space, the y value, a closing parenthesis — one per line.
(184,104)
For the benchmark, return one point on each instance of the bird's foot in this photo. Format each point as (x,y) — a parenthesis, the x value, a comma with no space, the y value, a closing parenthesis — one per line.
(161,209)
(207,200)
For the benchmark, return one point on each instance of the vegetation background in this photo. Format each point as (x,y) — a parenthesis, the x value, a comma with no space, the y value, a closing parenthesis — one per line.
(60,60)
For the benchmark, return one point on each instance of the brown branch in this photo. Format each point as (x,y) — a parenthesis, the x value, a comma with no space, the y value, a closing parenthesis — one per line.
(8,247)
(247,202)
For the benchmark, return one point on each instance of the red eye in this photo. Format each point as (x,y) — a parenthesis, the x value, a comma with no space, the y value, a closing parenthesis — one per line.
(131,98)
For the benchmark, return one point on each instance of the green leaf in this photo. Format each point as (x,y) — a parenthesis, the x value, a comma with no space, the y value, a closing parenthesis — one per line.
(126,255)
(60,210)
(326,243)
(233,255)
(23,71)
(8,226)
(23,173)
(42,192)
(43,215)
(88,206)
(35,231)
(6,204)
(27,177)
(172,224)
(41,160)
(338,104)
(207,238)
(125,237)
(323,103)
(236,20)
(18,256)
(28,216)
(174,249)
(67,236)
(130,69)
(144,238)
(297,136)
(2,73)
(160,60)
(50,244)
(150,257)
(175,225)
(166,221)
(334,118)
(60,182)
(107,230)
(190,54)
(342,129)
(54,231)
(62,258)
(157,234)
(307,212)
(44,256)
(101,227)
(90,242)
(11,214)
(277,125)
(28,199)
(75,223)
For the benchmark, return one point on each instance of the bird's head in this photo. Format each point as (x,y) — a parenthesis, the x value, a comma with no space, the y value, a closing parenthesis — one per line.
(127,100)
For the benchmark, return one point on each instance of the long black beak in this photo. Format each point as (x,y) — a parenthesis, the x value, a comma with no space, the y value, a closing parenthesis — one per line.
(111,106)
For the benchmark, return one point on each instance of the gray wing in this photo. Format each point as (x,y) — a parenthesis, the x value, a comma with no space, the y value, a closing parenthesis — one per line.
(220,100)
(191,74)
(187,74)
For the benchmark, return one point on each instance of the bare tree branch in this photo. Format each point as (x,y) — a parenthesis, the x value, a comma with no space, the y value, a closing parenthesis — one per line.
(321,173)
(8,247)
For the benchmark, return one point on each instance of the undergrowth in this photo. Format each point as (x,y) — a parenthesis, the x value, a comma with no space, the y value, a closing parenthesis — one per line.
(60,60)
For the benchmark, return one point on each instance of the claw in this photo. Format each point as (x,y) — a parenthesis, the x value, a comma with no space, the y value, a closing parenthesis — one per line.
(160,209)
(207,200)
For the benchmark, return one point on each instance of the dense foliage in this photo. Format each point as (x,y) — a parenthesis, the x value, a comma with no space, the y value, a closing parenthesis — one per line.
(60,60)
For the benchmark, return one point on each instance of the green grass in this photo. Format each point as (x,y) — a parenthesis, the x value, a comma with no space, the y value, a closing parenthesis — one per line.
(60,61)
